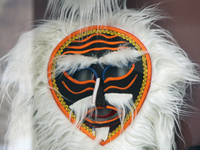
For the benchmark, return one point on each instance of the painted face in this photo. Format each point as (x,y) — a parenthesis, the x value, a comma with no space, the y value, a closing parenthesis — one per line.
(100,77)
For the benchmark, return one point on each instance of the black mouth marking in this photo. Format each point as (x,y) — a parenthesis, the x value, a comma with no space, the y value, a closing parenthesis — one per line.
(102,114)
(103,117)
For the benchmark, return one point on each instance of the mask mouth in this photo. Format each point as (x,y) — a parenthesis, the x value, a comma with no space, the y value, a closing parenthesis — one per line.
(104,113)
(103,116)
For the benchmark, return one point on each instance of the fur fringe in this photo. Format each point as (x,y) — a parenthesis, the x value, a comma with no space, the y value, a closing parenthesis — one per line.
(16,87)
(36,119)
(84,10)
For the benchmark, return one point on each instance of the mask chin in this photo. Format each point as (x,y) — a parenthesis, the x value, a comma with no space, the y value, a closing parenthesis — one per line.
(99,117)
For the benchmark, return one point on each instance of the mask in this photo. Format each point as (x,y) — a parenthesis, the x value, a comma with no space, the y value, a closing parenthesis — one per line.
(99,77)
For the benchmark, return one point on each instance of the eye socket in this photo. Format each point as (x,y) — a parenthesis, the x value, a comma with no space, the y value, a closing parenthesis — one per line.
(112,71)
(84,74)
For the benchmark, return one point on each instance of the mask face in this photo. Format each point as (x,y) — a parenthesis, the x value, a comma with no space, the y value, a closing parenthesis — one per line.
(99,77)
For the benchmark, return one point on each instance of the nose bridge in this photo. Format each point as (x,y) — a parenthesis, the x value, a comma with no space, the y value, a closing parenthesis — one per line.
(100,98)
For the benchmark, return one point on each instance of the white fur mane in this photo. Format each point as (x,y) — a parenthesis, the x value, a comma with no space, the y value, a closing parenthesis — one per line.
(37,120)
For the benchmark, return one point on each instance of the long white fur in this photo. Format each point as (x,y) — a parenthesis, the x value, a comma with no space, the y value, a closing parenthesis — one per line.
(102,133)
(123,102)
(36,117)
(122,57)
(81,110)
(18,90)
(84,10)
(94,95)
(71,63)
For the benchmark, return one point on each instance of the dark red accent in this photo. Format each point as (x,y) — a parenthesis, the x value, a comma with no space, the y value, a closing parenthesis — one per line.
(96,125)
(113,112)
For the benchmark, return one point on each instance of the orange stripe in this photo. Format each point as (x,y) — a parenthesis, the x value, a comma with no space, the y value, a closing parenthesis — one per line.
(121,77)
(87,89)
(78,82)
(102,122)
(92,49)
(96,41)
(83,40)
(120,88)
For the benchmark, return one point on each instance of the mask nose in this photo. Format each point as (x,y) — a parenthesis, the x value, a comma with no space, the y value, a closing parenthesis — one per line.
(98,97)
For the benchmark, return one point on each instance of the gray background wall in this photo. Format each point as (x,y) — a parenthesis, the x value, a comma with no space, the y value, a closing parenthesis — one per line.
(17,16)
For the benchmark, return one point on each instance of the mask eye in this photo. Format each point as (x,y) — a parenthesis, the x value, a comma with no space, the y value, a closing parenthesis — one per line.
(84,74)
(112,71)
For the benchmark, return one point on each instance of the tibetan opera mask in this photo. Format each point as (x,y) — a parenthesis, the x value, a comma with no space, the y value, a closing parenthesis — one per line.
(99,77)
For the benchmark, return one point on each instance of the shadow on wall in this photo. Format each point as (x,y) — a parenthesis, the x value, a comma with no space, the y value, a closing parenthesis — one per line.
(194,148)
(16,17)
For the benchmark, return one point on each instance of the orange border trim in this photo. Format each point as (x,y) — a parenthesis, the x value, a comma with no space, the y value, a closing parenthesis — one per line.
(113,31)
